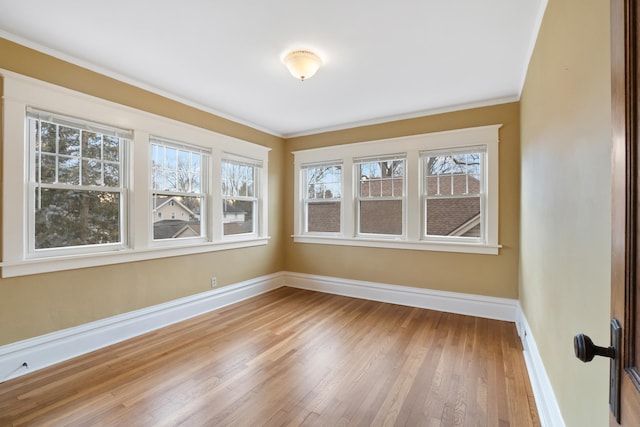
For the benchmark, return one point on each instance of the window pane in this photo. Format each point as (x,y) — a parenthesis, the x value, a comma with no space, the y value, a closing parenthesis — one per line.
(157,178)
(157,155)
(48,137)
(170,160)
(196,161)
(381,192)
(324,182)
(68,141)
(381,217)
(170,180)
(183,180)
(382,179)
(453,174)
(176,217)
(66,218)
(237,216)
(111,148)
(370,170)
(91,172)
(381,187)
(459,216)
(183,161)
(111,174)
(175,169)
(68,170)
(323,187)
(323,217)
(91,145)
(195,183)
(453,187)
(46,168)
(72,216)
(238,179)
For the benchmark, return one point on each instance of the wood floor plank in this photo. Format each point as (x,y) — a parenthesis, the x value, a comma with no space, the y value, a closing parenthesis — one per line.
(290,357)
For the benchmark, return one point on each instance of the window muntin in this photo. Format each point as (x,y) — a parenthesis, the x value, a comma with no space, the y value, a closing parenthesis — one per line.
(381,195)
(240,196)
(453,193)
(322,198)
(78,185)
(178,179)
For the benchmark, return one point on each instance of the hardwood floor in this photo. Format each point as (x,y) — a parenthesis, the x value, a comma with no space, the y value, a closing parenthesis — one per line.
(288,358)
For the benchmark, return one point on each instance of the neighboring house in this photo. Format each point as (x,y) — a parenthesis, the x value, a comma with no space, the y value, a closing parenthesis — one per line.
(174,228)
(232,213)
(446,216)
(453,216)
(235,220)
(171,208)
(172,219)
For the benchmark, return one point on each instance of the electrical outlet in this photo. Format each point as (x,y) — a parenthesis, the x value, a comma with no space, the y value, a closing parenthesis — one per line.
(214,282)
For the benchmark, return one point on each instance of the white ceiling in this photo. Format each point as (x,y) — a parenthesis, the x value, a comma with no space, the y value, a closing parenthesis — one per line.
(383,59)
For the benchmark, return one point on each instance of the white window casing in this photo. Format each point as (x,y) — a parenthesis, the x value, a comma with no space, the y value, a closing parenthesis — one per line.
(22,93)
(240,189)
(179,174)
(412,149)
(372,190)
(454,177)
(320,188)
(87,162)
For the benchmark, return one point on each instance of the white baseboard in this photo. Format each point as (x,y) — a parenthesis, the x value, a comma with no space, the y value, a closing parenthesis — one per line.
(49,349)
(59,346)
(548,409)
(451,302)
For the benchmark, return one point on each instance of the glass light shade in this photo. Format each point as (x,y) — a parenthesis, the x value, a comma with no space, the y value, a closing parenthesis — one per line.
(302,64)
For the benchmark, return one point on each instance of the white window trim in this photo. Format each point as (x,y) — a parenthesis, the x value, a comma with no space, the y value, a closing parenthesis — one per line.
(483,196)
(258,223)
(206,172)
(412,146)
(306,200)
(21,92)
(357,198)
(125,139)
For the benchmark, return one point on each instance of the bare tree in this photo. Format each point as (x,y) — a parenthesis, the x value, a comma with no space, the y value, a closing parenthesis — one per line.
(463,163)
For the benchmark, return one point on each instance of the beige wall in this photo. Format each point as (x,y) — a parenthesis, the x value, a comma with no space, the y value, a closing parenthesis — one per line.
(565,214)
(492,275)
(38,304)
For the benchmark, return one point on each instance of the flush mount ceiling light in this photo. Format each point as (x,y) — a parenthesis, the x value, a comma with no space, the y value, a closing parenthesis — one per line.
(302,64)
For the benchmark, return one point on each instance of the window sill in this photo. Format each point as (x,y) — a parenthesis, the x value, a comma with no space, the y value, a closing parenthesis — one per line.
(473,248)
(70,262)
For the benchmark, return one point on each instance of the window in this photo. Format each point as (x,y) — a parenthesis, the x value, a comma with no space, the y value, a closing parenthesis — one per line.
(88,182)
(436,191)
(380,195)
(453,193)
(323,198)
(239,195)
(178,182)
(78,185)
